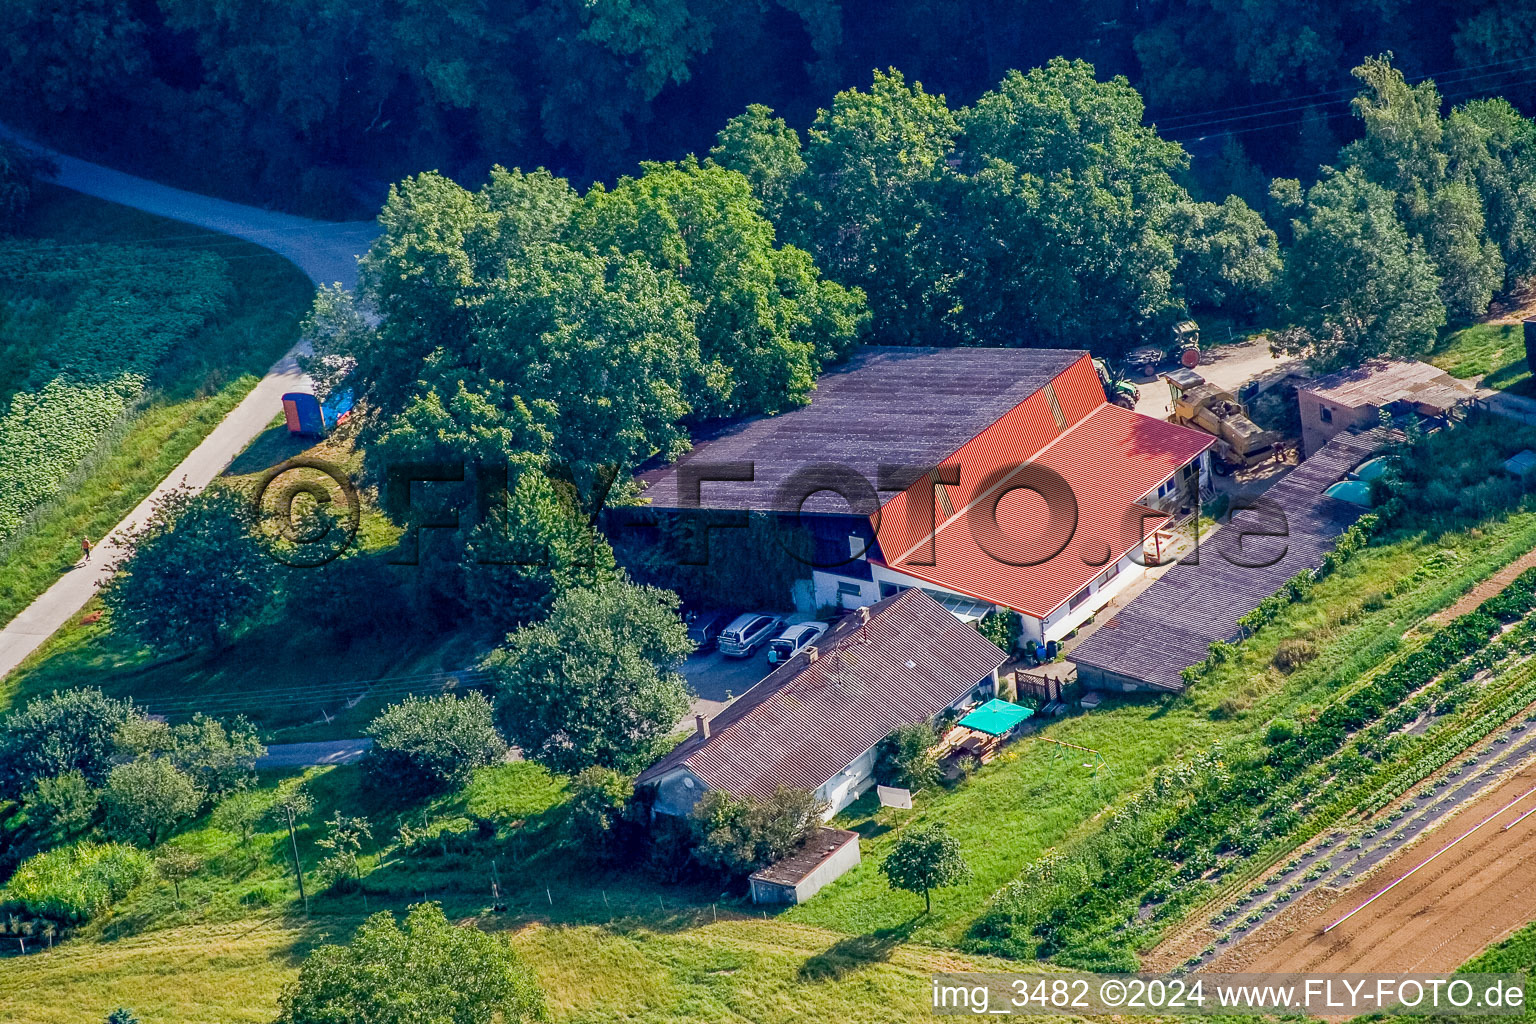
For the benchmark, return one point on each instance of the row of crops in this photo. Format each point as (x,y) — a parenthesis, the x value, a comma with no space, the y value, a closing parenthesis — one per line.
(1201,821)
(83,328)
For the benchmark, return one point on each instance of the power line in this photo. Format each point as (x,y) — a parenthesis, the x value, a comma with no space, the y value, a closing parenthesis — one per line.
(1445,75)
(1448,96)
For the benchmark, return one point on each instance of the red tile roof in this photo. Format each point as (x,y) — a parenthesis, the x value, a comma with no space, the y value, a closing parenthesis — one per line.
(809,720)
(1107,457)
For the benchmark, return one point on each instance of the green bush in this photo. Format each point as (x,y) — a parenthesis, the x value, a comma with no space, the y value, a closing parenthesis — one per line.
(1293,653)
(736,836)
(425,744)
(1002,628)
(905,758)
(73,884)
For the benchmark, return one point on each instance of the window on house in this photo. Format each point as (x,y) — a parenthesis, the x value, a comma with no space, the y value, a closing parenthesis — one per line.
(1325,414)
(1077,601)
(1108,574)
(1166,488)
(851,589)
(890,590)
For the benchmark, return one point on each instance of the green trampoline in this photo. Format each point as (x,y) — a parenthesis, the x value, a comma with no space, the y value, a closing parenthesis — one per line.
(996,717)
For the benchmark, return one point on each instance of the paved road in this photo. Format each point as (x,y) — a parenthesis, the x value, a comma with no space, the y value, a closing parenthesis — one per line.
(1227,366)
(304,755)
(326,252)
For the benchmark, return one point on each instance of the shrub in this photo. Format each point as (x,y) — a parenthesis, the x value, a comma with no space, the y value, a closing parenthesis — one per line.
(425,744)
(73,884)
(146,799)
(60,808)
(63,731)
(1280,731)
(1002,628)
(602,819)
(737,836)
(905,758)
(438,838)
(1293,653)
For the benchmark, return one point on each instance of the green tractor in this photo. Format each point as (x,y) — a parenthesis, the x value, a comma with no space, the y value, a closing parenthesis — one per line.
(1118,388)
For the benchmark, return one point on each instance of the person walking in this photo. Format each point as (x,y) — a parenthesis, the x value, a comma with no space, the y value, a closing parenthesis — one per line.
(85,547)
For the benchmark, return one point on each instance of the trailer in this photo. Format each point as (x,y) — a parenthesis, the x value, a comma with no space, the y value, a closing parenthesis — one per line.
(308,416)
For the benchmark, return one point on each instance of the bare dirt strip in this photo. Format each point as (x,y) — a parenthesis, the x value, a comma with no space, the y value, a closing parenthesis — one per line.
(1471,896)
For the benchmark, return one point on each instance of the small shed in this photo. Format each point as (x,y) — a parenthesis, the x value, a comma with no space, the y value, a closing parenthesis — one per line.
(825,857)
(996,718)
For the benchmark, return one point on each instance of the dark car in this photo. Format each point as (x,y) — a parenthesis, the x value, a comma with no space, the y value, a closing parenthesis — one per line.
(704,628)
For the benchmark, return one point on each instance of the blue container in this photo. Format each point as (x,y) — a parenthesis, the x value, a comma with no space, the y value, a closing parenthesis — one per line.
(307,416)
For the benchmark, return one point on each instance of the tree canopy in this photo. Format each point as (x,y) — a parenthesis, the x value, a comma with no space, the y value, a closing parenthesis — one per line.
(578,334)
(596,682)
(193,574)
(925,858)
(423,968)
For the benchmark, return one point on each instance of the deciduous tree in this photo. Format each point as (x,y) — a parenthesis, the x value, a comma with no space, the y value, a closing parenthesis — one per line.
(595,683)
(425,744)
(193,574)
(421,969)
(925,858)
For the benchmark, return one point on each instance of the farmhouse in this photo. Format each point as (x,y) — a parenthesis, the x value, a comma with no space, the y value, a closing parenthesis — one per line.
(814,723)
(1011,483)
(1353,399)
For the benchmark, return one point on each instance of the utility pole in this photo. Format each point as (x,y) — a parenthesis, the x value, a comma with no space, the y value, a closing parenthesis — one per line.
(298,871)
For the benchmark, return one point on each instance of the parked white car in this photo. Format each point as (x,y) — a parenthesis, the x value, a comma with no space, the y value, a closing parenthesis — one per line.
(793,640)
(747,634)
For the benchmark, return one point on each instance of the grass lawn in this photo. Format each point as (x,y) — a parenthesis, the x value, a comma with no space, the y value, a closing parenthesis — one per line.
(193,389)
(1494,351)
(1038,796)
(732,970)
(606,948)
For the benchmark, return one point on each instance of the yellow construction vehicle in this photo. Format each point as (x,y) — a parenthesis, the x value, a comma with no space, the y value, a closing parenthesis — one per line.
(1200,404)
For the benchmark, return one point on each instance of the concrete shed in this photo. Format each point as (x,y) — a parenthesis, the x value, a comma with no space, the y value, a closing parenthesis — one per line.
(826,856)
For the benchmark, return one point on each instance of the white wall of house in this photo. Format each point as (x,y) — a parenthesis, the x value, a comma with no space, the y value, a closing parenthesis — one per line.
(1182,487)
(849,784)
(834,591)
(1100,591)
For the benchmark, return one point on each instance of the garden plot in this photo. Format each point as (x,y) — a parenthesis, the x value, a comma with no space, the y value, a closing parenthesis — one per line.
(1437,917)
(1341,862)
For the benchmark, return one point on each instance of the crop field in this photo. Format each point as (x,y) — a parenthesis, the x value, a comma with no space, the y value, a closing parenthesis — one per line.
(1440,915)
(118,353)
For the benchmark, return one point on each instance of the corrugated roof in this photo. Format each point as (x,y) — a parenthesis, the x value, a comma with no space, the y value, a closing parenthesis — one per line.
(809,720)
(1108,457)
(792,870)
(1381,382)
(1197,602)
(896,406)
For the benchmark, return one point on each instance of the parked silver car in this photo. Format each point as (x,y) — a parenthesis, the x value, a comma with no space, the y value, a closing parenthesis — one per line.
(793,640)
(747,634)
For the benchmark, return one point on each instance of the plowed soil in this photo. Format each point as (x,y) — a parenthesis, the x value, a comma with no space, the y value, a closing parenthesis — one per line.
(1472,896)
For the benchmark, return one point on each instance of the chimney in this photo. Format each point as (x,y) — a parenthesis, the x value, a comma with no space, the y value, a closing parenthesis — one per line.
(701,726)
(863,614)
(812,652)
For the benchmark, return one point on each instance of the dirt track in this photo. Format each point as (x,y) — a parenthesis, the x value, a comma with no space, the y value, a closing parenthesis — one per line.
(1436,920)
